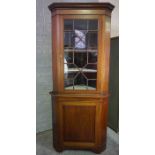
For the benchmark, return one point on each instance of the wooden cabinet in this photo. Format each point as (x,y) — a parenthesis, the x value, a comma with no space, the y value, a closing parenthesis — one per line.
(80,66)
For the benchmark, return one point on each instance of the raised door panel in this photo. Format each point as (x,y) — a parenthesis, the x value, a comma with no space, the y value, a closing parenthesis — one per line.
(79,123)
(78,119)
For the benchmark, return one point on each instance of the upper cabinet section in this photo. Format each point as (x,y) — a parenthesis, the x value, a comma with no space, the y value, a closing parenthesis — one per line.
(80,46)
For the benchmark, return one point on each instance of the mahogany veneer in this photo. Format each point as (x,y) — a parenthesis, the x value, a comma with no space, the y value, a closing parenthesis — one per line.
(80,116)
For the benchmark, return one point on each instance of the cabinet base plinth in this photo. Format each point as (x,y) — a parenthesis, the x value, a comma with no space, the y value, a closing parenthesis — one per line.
(58,148)
(95,150)
(99,149)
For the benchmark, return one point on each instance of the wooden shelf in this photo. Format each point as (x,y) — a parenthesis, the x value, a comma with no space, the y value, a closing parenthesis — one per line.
(80,69)
(80,50)
(80,87)
(81,30)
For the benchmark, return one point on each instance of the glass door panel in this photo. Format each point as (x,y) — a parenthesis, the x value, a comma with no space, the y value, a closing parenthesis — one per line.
(80,54)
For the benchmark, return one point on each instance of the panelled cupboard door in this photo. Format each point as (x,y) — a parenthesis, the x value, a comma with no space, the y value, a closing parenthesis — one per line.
(81,122)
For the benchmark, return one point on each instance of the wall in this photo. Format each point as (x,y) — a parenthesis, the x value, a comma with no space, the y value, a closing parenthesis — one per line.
(43,58)
(113,107)
(43,66)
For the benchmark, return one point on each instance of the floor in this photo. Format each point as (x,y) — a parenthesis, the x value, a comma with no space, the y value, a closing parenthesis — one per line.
(44,145)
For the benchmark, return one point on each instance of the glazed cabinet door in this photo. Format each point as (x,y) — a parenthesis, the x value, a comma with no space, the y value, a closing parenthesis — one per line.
(81,53)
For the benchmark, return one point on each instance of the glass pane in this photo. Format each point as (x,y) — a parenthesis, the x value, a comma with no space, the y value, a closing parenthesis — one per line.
(70,75)
(80,24)
(70,68)
(68,56)
(80,39)
(68,25)
(90,75)
(91,68)
(92,50)
(68,40)
(80,59)
(70,71)
(91,84)
(80,82)
(92,40)
(92,57)
(68,84)
(92,24)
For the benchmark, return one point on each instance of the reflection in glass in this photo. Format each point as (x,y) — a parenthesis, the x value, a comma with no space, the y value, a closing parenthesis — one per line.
(80,39)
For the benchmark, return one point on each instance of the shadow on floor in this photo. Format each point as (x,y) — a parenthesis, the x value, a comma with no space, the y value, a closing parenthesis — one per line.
(45,147)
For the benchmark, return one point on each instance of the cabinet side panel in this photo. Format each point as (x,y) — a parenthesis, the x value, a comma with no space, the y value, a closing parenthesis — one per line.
(101,125)
(104,115)
(105,52)
(56,52)
(56,114)
(54,66)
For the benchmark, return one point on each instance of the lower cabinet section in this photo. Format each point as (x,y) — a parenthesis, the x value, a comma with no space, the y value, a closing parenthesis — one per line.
(79,123)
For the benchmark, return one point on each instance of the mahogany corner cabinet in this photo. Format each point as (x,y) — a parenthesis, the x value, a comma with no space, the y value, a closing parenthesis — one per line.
(80,66)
